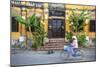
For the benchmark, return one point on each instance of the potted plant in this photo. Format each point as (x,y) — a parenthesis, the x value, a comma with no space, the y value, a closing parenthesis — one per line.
(76,21)
(68,36)
(82,40)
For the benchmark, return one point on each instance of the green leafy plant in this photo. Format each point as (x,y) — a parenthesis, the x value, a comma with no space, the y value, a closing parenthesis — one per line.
(29,22)
(68,35)
(77,23)
(39,34)
(77,20)
(82,40)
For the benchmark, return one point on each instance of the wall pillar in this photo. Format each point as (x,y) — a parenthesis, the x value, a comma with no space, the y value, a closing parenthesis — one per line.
(46,17)
(86,27)
(67,26)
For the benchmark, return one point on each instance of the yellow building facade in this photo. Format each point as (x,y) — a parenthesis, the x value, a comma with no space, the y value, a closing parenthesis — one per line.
(49,13)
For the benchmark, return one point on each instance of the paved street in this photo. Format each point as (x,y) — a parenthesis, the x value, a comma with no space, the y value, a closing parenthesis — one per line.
(29,57)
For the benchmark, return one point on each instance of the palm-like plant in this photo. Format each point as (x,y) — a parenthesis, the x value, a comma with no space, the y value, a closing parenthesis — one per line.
(68,35)
(82,40)
(30,22)
(39,34)
(77,20)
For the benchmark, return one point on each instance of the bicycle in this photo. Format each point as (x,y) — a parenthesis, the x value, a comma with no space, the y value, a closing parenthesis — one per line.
(66,54)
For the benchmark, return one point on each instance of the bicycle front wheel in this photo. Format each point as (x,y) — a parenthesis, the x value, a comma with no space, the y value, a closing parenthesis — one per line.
(80,53)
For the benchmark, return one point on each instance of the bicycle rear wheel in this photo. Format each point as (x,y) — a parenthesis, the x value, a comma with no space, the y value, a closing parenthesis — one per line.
(64,55)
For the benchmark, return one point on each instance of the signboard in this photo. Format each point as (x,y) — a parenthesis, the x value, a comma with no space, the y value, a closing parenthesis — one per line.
(56,13)
(56,10)
(39,5)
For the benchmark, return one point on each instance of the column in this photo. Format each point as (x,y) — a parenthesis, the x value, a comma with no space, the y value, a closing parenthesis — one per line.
(46,17)
(67,28)
(23,14)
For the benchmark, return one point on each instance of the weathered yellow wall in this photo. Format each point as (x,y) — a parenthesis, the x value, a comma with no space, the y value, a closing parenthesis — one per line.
(15,35)
(80,7)
(45,17)
(85,7)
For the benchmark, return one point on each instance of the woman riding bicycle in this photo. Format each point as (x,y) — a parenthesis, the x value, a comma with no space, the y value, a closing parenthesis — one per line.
(72,47)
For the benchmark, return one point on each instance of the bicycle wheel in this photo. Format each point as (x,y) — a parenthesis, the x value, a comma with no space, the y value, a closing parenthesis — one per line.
(64,55)
(80,53)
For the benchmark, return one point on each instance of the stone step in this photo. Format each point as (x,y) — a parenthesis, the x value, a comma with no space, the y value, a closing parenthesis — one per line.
(54,44)
(52,47)
(57,40)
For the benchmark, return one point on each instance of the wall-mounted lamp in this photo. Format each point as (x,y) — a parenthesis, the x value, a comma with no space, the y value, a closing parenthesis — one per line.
(42,22)
(46,10)
(66,17)
(87,21)
(66,11)
(50,26)
(23,17)
(71,23)
(46,16)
